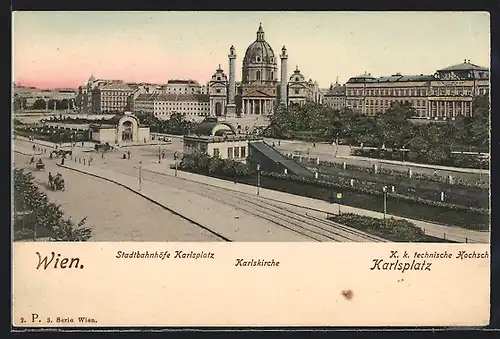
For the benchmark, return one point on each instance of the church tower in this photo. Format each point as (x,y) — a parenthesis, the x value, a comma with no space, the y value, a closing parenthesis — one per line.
(218,93)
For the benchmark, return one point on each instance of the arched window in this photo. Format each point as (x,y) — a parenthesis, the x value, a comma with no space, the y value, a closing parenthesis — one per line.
(257,75)
(272,75)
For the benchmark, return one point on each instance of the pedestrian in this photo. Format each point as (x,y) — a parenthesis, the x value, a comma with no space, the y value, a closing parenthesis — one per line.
(314,144)
(62,161)
(34,147)
(102,155)
(51,180)
(128,154)
(82,143)
(279,143)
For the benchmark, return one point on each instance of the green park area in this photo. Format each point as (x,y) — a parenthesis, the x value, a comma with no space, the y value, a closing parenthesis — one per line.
(392,134)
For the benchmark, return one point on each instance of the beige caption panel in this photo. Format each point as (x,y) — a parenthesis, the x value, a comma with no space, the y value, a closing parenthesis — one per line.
(326,284)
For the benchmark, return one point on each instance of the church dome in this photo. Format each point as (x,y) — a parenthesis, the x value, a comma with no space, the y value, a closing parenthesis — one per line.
(259,52)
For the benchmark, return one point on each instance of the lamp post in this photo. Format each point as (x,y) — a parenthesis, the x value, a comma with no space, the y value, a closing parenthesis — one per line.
(159,155)
(385,204)
(258,179)
(140,175)
(175,159)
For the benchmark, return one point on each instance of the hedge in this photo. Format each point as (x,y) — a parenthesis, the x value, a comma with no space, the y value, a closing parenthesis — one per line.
(398,230)
(404,174)
(346,185)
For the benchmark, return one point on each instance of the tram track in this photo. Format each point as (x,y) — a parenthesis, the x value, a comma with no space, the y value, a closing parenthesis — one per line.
(302,223)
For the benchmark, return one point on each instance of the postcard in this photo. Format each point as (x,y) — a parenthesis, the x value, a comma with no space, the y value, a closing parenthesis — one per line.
(179,169)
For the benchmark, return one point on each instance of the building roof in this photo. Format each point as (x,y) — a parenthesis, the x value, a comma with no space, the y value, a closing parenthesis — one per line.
(117,86)
(336,90)
(207,126)
(464,66)
(393,78)
(174,97)
(182,82)
(259,49)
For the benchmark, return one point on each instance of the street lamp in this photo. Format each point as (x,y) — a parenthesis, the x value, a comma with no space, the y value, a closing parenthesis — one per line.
(385,204)
(159,155)
(258,179)
(175,159)
(140,175)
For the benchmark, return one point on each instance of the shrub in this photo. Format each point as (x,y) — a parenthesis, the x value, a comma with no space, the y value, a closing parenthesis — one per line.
(39,213)
(392,229)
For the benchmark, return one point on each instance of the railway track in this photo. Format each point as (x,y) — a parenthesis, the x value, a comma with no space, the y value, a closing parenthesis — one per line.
(281,214)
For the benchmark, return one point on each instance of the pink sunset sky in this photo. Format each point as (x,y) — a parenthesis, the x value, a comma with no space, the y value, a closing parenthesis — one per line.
(62,49)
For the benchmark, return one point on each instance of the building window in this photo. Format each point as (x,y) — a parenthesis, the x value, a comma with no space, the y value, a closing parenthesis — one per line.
(243,152)
(230,152)
(258,59)
(217,90)
(258,75)
(236,152)
(297,91)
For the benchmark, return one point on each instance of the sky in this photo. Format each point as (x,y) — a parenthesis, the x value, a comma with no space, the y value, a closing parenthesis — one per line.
(63,49)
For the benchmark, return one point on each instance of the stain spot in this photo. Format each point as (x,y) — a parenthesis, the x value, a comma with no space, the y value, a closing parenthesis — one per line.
(347,294)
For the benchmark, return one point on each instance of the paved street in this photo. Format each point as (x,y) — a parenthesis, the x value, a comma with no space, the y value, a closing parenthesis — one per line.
(115,213)
(228,208)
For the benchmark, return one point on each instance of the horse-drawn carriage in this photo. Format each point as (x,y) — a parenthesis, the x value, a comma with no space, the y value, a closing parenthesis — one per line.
(106,147)
(61,153)
(40,166)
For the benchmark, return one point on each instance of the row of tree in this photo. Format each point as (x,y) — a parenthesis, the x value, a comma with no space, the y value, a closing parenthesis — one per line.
(40,104)
(177,124)
(392,128)
(202,163)
(35,215)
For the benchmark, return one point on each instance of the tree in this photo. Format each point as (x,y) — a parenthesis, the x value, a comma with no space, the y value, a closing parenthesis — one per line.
(40,104)
(38,213)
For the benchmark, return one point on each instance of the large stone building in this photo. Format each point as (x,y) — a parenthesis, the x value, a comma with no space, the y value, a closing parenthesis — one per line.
(113,97)
(447,93)
(163,106)
(335,96)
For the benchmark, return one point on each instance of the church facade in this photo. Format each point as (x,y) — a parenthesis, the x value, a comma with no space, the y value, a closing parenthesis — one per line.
(261,88)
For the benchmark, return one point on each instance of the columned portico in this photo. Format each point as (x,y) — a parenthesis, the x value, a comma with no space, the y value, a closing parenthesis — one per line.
(449,108)
(258,106)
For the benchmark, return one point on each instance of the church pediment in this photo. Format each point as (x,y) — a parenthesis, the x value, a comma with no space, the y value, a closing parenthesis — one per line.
(258,93)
